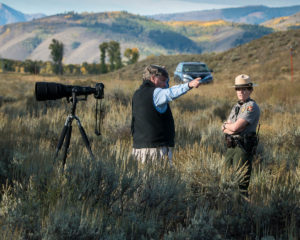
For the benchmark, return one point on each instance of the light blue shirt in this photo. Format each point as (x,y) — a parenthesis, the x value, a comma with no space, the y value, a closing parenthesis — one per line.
(161,96)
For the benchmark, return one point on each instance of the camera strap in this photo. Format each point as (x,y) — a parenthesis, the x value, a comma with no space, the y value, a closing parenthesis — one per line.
(98,117)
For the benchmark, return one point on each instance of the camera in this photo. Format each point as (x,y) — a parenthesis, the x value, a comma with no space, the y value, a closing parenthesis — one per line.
(52,91)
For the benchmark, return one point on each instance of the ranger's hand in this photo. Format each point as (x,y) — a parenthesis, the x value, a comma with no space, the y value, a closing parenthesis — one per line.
(195,83)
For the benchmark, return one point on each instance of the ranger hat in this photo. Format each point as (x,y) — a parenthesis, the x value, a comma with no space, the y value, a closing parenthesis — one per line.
(154,70)
(243,80)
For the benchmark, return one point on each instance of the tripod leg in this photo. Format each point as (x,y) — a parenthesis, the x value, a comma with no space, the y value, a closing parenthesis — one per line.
(61,140)
(85,139)
(67,143)
(62,136)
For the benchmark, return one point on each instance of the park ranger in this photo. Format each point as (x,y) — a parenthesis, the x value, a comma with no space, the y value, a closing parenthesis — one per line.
(240,130)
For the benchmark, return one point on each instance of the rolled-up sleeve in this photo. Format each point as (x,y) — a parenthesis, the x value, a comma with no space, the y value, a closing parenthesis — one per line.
(162,96)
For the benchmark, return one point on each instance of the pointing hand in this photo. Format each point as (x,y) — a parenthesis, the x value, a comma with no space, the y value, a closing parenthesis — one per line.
(195,83)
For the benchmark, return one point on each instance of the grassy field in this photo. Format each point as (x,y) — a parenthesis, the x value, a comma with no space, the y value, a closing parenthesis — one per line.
(114,197)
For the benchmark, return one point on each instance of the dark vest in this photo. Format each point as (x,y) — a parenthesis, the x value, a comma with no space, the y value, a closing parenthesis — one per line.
(150,128)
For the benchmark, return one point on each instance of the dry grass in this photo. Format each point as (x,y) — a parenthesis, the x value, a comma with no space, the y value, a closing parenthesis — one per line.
(115,198)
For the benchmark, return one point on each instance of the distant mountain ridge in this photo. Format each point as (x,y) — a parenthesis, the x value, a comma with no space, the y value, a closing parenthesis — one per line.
(10,15)
(82,34)
(247,14)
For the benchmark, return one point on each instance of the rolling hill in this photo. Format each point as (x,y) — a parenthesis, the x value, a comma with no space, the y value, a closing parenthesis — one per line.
(82,34)
(218,35)
(284,23)
(267,58)
(248,14)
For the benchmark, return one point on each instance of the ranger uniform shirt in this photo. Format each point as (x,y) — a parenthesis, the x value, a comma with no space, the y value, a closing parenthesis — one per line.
(249,111)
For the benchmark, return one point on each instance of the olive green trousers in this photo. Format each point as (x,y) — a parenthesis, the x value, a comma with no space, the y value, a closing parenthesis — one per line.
(237,157)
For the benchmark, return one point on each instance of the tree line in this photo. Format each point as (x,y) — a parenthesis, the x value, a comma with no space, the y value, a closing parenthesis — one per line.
(110,60)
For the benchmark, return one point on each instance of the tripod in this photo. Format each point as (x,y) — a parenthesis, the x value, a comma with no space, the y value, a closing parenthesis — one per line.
(67,131)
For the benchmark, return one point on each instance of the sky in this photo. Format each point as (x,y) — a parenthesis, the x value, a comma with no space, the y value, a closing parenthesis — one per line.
(142,7)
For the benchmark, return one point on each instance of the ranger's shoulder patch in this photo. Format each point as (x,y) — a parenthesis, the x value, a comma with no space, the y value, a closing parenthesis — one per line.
(250,108)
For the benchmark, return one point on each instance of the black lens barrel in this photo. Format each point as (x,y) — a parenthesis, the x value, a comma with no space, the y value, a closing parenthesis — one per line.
(52,91)
(83,90)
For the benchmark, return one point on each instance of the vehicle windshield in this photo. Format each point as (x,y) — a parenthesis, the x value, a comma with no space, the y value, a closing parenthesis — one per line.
(195,68)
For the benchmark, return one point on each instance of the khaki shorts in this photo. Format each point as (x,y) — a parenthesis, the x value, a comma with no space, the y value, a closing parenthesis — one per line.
(141,154)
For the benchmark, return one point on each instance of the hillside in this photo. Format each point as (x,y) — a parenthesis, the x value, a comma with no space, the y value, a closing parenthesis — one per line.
(82,34)
(284,23)
(266,59)
(218,35)
(248,14)
(10,15)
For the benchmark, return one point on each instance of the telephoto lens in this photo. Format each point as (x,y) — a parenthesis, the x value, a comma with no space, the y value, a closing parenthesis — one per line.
(52,91)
